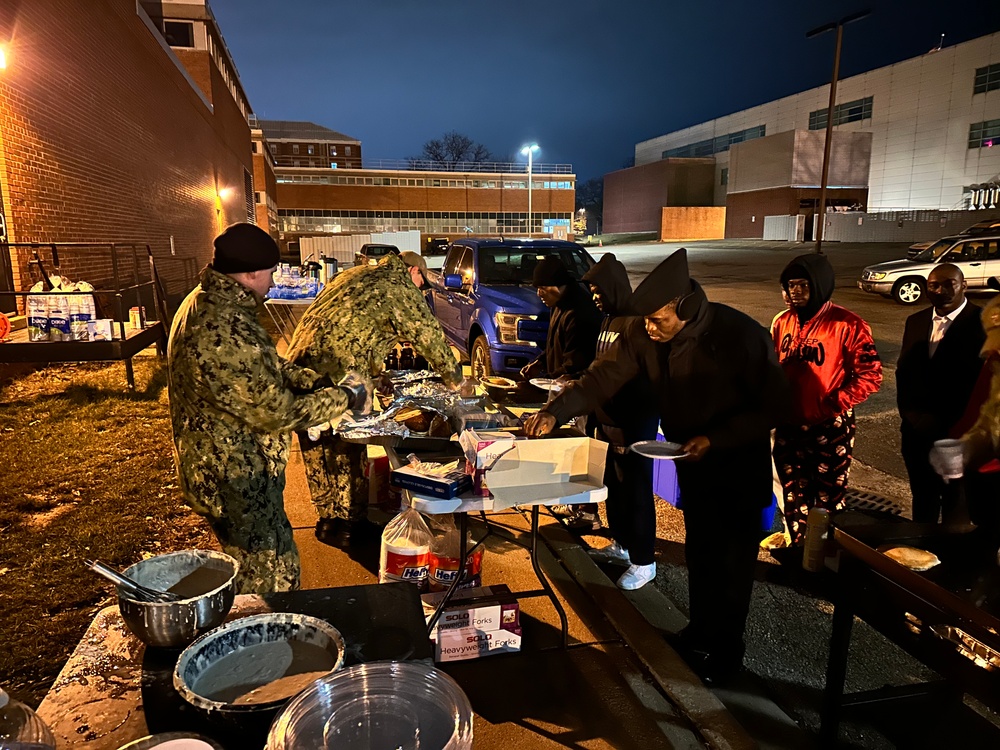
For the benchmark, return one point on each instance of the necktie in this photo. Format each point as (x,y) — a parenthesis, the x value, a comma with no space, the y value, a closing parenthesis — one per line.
(940,325)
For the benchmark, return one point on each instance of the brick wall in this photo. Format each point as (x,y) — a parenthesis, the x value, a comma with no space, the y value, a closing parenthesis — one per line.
(745,212)
(634,197)
(105,138)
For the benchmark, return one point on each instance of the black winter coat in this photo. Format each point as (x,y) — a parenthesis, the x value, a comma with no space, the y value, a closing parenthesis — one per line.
(719,377)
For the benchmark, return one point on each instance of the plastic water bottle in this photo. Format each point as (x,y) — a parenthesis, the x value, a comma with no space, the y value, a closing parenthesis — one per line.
(20,727)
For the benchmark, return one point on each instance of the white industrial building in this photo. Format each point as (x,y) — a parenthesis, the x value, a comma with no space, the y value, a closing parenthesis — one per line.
(934,121)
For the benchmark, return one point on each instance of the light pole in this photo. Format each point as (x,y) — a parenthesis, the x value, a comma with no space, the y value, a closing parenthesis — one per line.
(839,27)
(530,149)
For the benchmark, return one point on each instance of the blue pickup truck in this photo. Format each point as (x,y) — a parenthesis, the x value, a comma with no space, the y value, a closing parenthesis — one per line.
(484,300)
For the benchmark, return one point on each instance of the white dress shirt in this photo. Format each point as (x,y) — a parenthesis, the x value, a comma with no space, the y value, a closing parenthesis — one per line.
(940,325)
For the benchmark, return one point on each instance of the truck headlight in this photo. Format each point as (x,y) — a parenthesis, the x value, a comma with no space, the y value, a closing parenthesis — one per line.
(507,327)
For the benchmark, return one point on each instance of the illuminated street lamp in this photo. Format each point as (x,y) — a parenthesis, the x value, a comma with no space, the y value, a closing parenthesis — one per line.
(529,150)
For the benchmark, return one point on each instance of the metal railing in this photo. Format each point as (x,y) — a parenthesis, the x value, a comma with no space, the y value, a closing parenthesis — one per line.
(499,167)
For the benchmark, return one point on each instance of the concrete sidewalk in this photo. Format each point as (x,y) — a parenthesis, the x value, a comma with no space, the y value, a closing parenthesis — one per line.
(618,685)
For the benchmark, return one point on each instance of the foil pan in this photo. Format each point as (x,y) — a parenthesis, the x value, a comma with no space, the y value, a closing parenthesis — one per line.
(971,648)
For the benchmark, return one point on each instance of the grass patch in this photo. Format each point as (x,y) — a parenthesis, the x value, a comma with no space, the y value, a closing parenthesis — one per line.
(87,472)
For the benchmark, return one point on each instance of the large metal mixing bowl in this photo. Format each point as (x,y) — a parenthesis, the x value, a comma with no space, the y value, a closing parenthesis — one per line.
(176,624)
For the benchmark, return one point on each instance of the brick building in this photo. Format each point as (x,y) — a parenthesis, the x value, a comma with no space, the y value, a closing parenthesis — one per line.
(110,132)
(306,144)
(491,200)
(265,184)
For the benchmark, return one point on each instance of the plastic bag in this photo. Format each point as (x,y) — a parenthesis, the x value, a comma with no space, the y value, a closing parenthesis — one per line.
(406,548)
(445,554)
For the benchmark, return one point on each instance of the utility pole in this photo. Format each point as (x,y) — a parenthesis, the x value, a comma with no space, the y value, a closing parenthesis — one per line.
(820,221)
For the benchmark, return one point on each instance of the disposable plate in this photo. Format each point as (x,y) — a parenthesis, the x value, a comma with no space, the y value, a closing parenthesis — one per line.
(658,449)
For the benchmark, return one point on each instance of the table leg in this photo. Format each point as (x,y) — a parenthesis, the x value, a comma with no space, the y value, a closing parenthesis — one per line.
(836,670)
(129,374)
(543,580)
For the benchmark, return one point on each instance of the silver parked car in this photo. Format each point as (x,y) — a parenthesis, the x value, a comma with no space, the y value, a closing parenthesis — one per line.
(906,280)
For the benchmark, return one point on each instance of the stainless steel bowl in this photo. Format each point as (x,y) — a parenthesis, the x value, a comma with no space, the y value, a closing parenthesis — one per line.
(204,577)
(219,670)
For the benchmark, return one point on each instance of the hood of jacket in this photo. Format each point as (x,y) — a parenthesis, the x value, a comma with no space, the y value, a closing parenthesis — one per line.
(610,275)
(816,269)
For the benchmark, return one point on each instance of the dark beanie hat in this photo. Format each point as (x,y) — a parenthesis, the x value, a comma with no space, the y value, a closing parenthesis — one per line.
(550,271)
(243,248)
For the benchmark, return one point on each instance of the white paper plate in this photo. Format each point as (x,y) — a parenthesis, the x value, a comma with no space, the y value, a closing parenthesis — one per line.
(658,449)
(546,384)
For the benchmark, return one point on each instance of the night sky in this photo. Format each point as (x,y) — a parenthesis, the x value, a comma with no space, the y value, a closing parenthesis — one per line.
(585,79)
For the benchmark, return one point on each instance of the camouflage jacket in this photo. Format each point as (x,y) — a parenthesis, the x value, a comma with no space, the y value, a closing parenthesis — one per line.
(233,400)
(361,315)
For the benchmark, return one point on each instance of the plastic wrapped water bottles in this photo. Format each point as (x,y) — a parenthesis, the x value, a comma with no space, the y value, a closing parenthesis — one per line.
(20,727)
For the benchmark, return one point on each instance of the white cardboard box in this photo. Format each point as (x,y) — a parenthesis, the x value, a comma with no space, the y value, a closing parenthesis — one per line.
(501,612)
(549,470)
(465,643)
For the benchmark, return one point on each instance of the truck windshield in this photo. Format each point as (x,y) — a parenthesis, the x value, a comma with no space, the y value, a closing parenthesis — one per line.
(515,265)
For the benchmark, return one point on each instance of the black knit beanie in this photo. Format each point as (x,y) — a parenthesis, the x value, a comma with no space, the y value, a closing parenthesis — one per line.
(243,248)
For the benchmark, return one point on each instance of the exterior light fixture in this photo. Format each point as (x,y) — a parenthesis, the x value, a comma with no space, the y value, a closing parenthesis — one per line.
(3,57)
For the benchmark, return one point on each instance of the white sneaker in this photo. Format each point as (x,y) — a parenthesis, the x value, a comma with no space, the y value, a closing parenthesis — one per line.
(637,576)
(614,552)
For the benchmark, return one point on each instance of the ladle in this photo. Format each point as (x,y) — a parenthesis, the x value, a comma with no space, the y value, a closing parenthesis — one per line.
(131,588)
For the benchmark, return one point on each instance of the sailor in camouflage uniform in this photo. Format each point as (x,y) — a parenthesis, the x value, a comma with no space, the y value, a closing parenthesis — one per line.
(233,403)
(353,324)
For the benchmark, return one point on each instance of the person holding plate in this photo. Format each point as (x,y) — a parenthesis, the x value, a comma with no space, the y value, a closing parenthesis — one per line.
(718,391)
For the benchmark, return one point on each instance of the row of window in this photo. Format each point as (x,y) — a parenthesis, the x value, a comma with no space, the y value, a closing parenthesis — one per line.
(425,182)
(717,145)
(987,79)
(456,215)
(313,149)
(454,222)
(984,134)
(859,109)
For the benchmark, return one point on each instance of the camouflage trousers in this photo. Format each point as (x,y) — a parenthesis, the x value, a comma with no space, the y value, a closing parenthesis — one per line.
(337,472)
(251,525)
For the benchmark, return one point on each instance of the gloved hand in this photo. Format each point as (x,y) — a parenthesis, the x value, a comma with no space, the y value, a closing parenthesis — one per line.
(359,391)
(467,388)
(947,458)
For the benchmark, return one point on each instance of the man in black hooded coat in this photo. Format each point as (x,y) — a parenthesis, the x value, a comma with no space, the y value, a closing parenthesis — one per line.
(718,392)
(573,322)
(625,419)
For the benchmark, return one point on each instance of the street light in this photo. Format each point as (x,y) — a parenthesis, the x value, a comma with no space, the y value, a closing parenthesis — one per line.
(529,150)
(839,27)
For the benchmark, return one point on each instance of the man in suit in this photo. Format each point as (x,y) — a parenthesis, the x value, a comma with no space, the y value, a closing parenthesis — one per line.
(937,371)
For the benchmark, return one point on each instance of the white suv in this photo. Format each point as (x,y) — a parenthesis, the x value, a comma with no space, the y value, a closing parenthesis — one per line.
(906,280)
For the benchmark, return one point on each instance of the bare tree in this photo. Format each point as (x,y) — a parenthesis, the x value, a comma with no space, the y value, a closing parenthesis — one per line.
(451,149)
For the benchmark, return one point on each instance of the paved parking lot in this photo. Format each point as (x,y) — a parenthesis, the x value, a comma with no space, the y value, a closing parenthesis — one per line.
(789,626)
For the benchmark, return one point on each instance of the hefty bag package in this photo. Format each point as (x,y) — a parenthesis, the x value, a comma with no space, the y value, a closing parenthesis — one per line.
(406,550)
(445,562)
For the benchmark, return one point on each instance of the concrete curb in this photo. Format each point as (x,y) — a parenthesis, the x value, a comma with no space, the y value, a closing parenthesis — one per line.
(684,688)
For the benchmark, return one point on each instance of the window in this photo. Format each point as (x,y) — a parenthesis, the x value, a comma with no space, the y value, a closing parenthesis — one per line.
(256,197)
(859,109)
(179,33)
(253,146)
(274,148)
(712,146)
(987,79)
(295,148)
(724,178)
(310,150)
(333,165)
(984,134)
(248,195)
